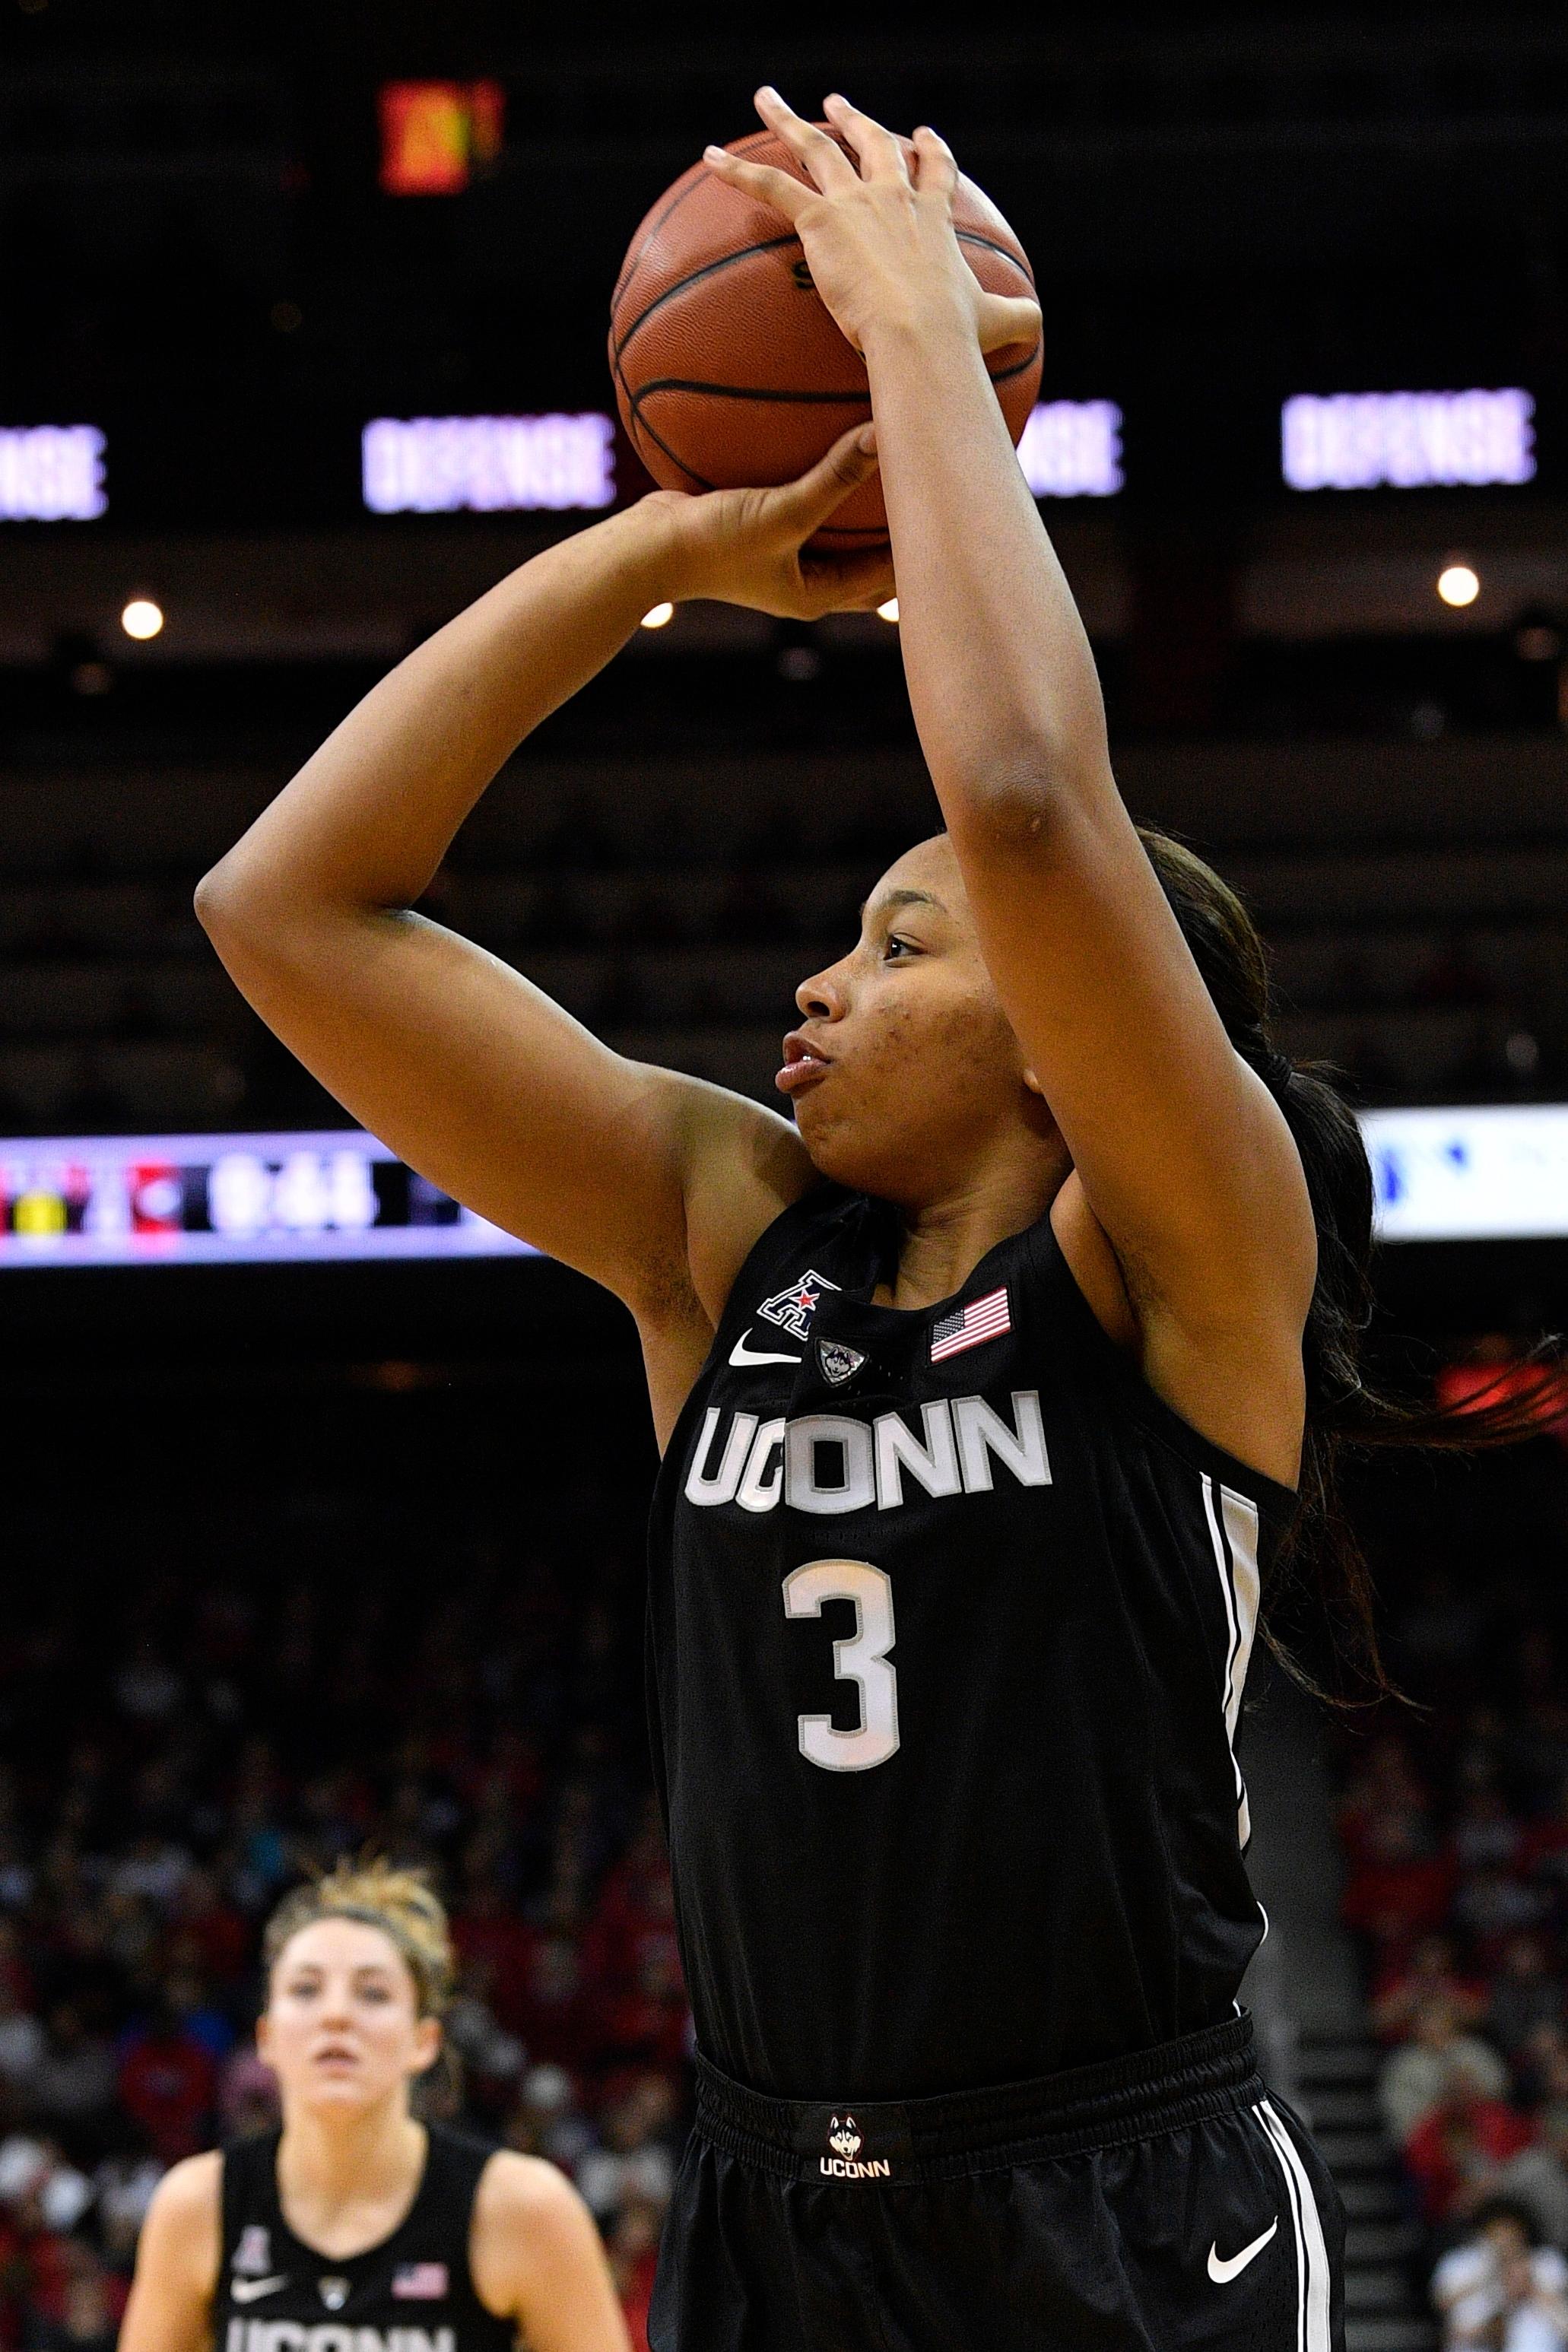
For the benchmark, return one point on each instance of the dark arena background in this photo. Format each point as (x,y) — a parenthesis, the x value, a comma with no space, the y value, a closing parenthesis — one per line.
(325,1503)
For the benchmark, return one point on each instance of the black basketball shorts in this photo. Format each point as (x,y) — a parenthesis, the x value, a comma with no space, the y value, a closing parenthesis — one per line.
(1158,2202)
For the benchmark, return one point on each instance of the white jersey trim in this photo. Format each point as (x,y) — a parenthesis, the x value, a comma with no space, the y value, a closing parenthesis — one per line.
(1233,1533)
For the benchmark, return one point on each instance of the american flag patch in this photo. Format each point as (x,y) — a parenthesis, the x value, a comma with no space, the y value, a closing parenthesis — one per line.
(983,1319)
(420,2282)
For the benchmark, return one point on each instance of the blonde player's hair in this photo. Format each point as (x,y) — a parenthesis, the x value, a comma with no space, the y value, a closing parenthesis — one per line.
(402,1902)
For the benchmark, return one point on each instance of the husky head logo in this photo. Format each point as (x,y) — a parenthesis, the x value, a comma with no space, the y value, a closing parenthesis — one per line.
(843,2138)
(838,1362)
(792,1309)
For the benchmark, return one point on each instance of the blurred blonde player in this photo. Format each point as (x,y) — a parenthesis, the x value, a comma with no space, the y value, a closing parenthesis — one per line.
(358,2228)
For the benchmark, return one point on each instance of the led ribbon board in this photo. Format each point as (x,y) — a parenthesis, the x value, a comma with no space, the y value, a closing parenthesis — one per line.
(51,473)
(1485,1174)
(488,465)
(1407,440)
(1492,1173)
(1072,449)
(204,1200)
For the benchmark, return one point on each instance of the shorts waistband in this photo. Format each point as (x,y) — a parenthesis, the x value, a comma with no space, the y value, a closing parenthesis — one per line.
(1211,2072)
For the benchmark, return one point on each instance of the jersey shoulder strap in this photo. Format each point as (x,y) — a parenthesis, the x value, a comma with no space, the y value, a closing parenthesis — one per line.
(828,1213)
(452,2171)
(250,2199)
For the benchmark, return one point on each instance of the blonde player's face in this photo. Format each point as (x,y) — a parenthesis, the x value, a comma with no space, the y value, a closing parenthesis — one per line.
(342,2029)
(919,1072)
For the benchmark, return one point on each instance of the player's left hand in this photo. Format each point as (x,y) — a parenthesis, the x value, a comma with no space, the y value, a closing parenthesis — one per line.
(752,547)
(878,230)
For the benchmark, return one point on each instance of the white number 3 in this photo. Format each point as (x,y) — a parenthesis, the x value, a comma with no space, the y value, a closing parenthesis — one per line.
(861,1659)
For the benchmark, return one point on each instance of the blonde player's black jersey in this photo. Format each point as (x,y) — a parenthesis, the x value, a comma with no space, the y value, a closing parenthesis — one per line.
(950,1618)
(412,2293)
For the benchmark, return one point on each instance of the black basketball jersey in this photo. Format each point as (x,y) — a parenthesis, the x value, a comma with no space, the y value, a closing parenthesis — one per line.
(413,2293)
(950,1618)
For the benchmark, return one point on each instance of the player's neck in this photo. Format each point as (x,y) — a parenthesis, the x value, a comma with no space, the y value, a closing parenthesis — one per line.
(943,1241)
(349,2162)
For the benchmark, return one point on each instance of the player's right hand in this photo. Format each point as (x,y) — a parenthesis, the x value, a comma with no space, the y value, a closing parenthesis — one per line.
(749,546)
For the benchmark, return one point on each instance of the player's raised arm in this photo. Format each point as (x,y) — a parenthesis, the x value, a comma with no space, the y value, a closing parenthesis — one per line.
(642,1179)
(1186,1160)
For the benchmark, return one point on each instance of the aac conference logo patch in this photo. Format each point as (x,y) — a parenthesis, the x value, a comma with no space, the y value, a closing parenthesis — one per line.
(792,1309)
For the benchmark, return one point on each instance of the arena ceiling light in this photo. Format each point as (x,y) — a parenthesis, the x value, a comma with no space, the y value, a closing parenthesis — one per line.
(142,619)
(890,611)
(1458,584)
(51,473)
(1407,440)
(658,615)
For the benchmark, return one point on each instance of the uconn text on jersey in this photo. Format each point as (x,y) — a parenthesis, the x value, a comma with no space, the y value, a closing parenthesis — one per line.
(830,1464)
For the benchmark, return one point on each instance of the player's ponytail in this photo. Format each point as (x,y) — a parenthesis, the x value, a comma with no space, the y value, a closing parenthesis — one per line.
(1345,1412)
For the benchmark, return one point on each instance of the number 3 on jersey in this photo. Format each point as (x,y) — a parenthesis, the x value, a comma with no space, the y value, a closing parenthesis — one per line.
(861,1659)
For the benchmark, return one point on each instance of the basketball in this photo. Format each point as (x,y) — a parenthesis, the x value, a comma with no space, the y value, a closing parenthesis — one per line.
(729,368)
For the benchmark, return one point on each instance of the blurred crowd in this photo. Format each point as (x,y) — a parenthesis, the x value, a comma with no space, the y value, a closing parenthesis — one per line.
(1455,1828)
(180,1750)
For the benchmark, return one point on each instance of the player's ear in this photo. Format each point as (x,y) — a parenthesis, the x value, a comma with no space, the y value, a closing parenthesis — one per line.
(427,2040)
(1032,1082)
(264,2039)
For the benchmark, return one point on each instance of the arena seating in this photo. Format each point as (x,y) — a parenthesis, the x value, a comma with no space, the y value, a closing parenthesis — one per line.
(674,902)
(1454,1822)
(188,1731)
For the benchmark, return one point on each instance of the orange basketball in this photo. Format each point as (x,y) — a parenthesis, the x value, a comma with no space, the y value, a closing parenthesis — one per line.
(729,368)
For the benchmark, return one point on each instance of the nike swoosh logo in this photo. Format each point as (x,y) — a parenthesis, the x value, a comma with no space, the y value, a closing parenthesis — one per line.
(246,2290)
(1222,2273)
(741,1354)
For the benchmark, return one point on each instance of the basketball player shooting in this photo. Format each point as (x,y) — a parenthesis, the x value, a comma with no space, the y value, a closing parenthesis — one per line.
(988,1387)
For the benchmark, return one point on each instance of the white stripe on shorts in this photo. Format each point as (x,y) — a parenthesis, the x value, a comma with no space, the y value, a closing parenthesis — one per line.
(1313,2281)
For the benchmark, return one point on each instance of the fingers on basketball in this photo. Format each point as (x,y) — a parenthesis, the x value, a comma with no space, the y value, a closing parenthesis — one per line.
(875,149)
(824,489)
(936,167)
(821,155)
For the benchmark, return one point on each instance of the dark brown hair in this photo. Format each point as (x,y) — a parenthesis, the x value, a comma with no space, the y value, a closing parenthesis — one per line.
(1345,1412)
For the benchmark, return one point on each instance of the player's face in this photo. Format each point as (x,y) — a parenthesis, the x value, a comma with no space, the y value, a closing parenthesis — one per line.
(342,2029)
(904,1070)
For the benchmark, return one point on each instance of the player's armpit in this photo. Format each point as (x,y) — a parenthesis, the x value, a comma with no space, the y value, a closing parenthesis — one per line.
(741,1165)
(1185,1157)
